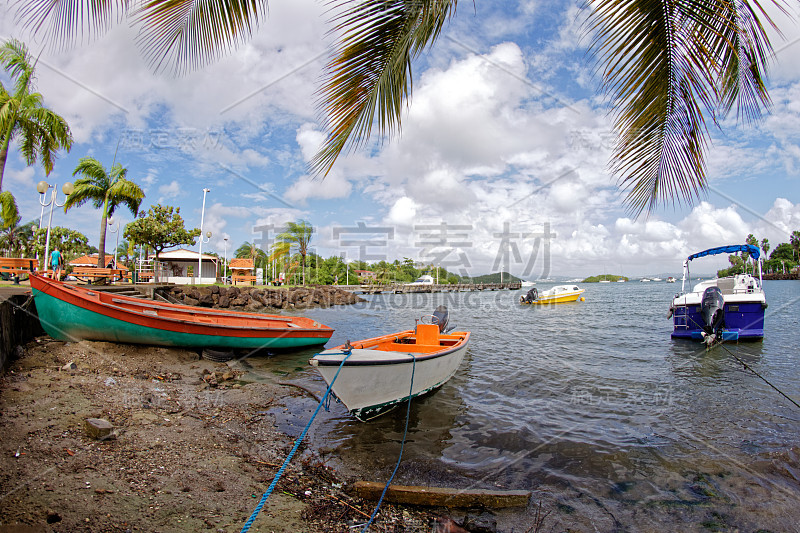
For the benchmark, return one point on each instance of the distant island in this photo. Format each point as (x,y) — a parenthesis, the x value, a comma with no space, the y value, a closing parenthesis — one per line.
(604,277)
(492,278)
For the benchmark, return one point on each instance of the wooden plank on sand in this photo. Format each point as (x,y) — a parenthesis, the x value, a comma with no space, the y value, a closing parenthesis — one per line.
(443,496)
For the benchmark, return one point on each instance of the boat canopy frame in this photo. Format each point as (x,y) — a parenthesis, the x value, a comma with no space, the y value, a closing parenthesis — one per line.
(754,252)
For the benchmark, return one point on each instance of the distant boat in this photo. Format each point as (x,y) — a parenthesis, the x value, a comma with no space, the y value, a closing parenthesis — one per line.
(74,312)
(556,295)
(656,279)
(527,284)
(670,280)
(620,280)
(729,308)
(376,374)
(644,280)
(422,280)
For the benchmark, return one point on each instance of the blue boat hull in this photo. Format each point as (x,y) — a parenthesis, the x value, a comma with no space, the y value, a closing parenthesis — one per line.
(743,321)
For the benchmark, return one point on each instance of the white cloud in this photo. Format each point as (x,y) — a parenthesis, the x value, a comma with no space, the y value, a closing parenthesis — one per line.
(169,191)
(403,212)
(23,177)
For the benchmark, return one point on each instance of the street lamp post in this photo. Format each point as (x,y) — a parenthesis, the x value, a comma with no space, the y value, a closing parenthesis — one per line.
(111,223)
(200,253)
(225,264)
(43,187)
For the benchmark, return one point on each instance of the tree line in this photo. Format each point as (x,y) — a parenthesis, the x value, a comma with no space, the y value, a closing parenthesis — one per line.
(783,259)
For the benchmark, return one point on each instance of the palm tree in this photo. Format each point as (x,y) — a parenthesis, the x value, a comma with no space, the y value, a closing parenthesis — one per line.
(107,191)
(765,246)
(15,239)
(41,132)
(794,240)
(668,66)
(298,235)
(280,252)
(251,251)
(123,251)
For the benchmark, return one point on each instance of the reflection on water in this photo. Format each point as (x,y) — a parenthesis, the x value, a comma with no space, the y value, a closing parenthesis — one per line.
(591,403)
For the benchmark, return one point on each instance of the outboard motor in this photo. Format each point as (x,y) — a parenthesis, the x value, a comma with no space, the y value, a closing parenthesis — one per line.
(713,310)
(532,295)
(443,317)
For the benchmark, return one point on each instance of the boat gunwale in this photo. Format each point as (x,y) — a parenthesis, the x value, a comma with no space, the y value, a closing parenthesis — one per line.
(94,303)
(446,350)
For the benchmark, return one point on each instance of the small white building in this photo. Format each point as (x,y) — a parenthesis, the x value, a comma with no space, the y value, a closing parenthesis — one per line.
(181,266)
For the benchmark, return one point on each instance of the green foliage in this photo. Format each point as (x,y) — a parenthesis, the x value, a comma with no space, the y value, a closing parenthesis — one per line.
(604,277)
(298,235)
(16,240)
(8,210)
(39,131)
(161,228)
(494,278)
(783,251)
(70,243)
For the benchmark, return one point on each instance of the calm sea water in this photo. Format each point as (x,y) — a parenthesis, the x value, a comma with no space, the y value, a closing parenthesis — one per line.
(591,405)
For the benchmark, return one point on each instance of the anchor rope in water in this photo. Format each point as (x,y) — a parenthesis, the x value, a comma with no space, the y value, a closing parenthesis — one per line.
(759,375)
(297,442)
(402,445)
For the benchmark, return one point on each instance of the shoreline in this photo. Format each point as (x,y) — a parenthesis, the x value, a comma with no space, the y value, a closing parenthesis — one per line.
(193,448)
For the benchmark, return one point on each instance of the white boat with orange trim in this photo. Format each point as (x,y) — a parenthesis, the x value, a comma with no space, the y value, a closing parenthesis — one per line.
(375,375)
(556,295)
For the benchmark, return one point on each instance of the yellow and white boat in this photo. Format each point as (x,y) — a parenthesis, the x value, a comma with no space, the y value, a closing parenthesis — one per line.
(557,295)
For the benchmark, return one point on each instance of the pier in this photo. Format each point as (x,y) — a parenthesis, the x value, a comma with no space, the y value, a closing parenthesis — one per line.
(404,288)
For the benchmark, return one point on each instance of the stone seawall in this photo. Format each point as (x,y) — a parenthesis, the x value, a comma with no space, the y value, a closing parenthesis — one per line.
(253,299)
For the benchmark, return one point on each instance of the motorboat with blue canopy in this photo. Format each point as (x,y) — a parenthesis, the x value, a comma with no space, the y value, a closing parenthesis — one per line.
(721,309)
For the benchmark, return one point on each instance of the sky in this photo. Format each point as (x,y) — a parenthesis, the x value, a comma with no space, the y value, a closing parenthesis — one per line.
(502,159)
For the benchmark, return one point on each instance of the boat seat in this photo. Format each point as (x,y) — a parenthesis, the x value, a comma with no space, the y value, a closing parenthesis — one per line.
(428,334)
(726,285)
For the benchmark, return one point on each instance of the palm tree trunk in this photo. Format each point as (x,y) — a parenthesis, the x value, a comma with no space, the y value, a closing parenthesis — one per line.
(101,257)
(3,157)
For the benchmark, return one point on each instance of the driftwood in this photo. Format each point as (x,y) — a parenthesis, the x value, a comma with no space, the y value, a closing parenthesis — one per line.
(442,496)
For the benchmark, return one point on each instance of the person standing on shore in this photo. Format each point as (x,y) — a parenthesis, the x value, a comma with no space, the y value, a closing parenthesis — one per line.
(55,263)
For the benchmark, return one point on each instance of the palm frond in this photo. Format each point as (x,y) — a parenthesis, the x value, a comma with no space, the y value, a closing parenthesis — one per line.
(745,61)
(85,190)
(8,210)
(369,77)
(127,193)
(62,22)
(17,62)
(93,170)
(668,65)
(188,34)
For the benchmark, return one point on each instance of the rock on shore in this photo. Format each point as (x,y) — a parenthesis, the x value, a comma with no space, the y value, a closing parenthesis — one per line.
(249,298)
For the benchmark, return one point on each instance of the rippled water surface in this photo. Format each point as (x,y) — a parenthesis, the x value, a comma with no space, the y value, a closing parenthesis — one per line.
(591,405)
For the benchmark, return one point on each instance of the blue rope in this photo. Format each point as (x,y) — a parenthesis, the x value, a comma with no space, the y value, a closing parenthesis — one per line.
(275,480)
(402,445)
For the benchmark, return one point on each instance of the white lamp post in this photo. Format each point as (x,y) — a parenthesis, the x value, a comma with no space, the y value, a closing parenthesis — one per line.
(112,222)
(43,187)
(200,253)
(225,264)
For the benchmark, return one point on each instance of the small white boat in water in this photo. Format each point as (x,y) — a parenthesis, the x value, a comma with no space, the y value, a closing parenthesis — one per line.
(556,295)
(376,374)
